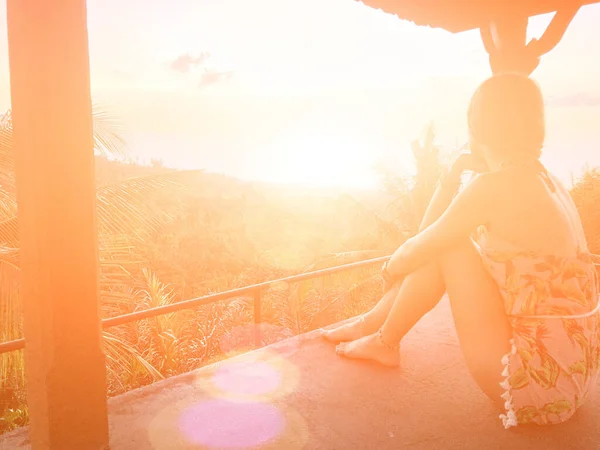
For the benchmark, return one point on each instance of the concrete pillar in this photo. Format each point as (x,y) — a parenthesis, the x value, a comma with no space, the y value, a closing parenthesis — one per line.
(53,142)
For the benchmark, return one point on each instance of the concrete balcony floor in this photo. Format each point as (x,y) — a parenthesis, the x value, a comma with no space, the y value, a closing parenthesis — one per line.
(298,394)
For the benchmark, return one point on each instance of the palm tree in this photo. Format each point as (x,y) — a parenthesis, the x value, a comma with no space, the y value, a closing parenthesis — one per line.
(411,196)
(128,212)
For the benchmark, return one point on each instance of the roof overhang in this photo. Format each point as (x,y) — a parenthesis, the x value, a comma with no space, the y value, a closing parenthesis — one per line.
(462,15)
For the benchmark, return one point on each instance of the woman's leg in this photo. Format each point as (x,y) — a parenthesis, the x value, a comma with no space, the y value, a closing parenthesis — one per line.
(482,326)
(418,294)
(366,323)
(481,323)
(427,288)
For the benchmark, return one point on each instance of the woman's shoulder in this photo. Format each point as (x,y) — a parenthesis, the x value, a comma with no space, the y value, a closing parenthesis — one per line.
(512,179)
(489,181)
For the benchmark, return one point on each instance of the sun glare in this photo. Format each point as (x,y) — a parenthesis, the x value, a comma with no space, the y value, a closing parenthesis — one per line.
(322,159)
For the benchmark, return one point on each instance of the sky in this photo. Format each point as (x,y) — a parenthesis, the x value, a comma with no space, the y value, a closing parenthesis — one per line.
(319,92)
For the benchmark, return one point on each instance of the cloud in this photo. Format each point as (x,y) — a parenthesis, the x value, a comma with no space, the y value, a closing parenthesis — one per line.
(185,63)
(210,77)
(580,99)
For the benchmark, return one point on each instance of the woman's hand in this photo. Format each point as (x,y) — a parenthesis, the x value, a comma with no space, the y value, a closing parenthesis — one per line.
(451,177)
(468,210)
(467,161)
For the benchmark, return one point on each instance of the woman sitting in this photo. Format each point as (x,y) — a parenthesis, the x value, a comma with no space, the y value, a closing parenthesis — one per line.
(510,251)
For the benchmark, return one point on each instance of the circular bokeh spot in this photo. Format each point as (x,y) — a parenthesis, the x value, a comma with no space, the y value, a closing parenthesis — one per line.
(225,424)
(256,376)
(247,378)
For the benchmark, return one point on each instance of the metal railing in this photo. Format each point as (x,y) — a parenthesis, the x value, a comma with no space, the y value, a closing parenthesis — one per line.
(255,290)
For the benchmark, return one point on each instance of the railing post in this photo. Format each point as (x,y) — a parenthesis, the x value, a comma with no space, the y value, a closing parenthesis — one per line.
(257,318)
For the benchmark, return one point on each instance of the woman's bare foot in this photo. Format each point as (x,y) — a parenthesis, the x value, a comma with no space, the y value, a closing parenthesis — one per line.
(350,331)
(370,347)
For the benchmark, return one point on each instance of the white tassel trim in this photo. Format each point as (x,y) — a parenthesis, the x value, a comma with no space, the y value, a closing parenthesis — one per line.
(510,418)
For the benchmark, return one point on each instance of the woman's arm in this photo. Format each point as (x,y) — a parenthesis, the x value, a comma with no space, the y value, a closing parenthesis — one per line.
(441,199)
(471,207)
(449,185)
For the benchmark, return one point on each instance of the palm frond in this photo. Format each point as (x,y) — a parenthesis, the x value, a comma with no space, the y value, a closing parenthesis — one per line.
(7,176)
(9,232)
(11,321)
(131,208)
(8,205)
(108,141)
(119,359)
(138,206)
(10,257)
(108,135)
(296,309)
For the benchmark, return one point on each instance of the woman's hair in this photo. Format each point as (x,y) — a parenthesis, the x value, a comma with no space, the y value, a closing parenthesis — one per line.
(506,115)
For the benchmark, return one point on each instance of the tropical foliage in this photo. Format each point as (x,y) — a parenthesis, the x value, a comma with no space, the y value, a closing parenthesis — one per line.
(128,211)
(166,236)
(410,195)
(586,195)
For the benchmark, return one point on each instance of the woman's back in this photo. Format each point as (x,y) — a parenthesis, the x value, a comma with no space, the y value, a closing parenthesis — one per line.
(534,211)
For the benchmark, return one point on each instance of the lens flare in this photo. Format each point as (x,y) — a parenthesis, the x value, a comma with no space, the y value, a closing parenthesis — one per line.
(206,423)
(255,376)
(248,378)
(225,424)
(235,404)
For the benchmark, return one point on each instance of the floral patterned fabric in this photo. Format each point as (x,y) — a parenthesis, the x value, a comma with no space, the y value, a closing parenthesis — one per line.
(552,305)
